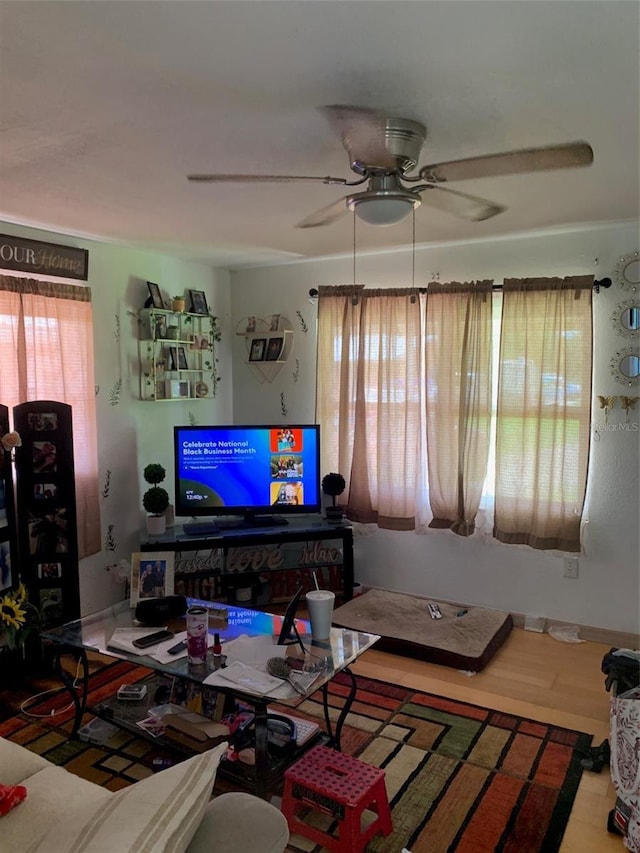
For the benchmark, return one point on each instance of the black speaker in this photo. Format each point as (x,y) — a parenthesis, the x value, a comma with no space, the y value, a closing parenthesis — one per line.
(155,611)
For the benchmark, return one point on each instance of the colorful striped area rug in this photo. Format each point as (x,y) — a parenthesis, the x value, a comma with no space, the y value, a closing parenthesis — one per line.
(459,777)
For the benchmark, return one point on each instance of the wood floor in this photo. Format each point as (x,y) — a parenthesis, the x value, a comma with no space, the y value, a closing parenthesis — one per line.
(537,677)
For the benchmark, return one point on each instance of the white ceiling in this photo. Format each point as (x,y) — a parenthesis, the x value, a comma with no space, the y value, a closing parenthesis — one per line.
(106,106)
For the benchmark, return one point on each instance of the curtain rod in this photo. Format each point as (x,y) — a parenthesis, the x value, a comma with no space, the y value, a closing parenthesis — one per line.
(603,282)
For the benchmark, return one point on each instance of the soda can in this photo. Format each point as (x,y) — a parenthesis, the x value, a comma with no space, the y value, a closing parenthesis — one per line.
(197,629)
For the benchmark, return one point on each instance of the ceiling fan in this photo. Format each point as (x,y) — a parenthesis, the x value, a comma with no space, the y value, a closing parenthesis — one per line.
(384,149)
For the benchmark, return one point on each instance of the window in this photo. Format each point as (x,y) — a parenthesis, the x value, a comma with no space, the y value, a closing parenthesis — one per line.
(431,402)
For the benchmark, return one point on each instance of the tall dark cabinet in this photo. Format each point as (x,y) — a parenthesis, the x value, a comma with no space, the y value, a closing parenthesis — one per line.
(8,536)
(47,539)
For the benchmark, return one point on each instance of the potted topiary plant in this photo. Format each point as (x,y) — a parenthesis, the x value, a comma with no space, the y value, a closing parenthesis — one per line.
(333,485)
(155,500)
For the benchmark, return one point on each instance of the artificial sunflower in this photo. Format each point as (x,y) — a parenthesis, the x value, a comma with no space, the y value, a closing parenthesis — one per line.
(11,612)
(18,618)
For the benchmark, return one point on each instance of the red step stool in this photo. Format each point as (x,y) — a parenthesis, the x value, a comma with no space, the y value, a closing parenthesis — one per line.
(341,786)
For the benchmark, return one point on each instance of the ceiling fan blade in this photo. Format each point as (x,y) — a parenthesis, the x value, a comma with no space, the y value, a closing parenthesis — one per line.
(258,179)
(568,155)
(326,215)
(363,134)
(459,204)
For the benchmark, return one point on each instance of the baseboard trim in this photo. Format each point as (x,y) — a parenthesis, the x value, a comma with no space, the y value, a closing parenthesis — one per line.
(619,639)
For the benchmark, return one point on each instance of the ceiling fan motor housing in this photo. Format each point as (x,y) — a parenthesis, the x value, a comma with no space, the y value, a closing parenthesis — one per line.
(400,140)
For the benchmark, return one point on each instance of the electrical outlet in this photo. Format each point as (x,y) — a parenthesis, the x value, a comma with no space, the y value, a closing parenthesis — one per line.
(571,567)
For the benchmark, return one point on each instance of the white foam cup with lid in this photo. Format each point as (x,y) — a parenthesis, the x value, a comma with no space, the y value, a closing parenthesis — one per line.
(320,605)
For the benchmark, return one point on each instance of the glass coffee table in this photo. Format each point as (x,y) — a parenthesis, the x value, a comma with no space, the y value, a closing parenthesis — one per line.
(323,659)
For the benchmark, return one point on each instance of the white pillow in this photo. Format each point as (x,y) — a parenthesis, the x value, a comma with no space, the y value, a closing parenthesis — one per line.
(158,814)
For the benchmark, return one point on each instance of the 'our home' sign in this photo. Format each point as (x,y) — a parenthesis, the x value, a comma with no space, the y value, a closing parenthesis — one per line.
(19,253)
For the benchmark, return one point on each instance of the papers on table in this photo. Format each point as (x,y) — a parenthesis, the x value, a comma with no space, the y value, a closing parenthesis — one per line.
(122,641)
(247,667)
(248,678)
(253,651)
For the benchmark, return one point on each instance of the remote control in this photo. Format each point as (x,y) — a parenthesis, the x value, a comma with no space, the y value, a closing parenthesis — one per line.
(179,647)
(152,639)
(434,611)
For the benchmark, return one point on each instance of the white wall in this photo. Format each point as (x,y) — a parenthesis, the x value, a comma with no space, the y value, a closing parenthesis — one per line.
(132,433)
(441,564)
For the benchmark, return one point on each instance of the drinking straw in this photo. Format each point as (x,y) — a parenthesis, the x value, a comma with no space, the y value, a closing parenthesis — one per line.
(315,580)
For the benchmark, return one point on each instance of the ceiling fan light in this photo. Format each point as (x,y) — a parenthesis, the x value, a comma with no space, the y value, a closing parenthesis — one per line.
(384,210)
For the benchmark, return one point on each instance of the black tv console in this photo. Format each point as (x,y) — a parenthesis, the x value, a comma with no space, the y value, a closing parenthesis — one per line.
(303,529)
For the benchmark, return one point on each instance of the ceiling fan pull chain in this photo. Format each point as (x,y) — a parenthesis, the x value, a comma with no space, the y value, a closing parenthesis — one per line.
(413,249)
(354,248)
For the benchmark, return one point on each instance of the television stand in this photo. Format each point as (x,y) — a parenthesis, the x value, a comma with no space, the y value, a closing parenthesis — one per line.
(248,521)
(245,553)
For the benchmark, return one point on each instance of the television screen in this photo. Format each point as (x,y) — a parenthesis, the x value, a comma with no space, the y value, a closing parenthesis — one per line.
(247,471)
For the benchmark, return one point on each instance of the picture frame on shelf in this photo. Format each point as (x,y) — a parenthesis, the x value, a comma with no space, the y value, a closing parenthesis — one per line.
(177,389)
(156,296)
(160,327)
(152,575)
(198,302)
(199,342)
(178,358)
(182,359)
(258,346)
(274,349)
(275,323)
(251,324)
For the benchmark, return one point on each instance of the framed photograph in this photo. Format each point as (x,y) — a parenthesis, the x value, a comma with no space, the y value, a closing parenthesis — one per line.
(274,348)
(151,575)
(51,606)
(275,323)
(49,570)
(160,327)
(198,302)
(44,491)
(178,358)
(258,346)
(199,342)
(6,578)
(156,296)
(251,324)
(44,457)
(176,389)
(48,532)
(182,359)
(42,421)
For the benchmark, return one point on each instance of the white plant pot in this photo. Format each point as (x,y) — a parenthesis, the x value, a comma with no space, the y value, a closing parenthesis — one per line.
(156,525)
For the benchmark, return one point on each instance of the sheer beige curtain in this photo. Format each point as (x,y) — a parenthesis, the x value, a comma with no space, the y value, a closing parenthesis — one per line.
(46,353)
(544,410)
(369,399)
(458,369)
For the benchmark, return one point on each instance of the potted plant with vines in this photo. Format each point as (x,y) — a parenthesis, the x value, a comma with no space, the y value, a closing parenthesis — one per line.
(333,485)
(155,500)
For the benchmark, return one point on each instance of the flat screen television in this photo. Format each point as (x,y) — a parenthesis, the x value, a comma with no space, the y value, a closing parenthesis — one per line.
(252,475)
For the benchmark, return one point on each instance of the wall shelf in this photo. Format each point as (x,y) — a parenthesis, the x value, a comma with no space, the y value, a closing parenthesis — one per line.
(177,365)
(269,344)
